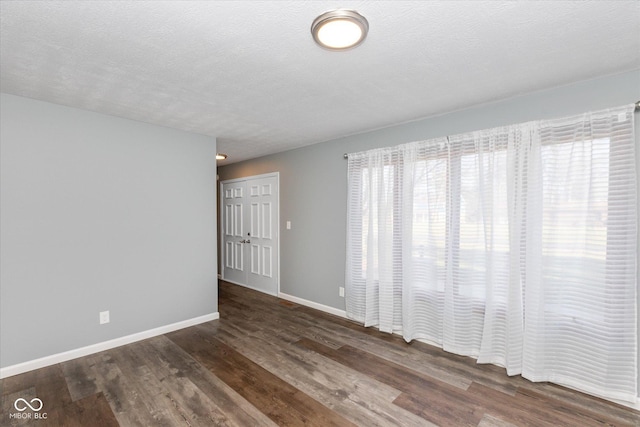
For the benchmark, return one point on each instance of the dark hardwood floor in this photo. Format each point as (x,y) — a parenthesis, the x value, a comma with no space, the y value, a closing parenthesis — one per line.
(270,362)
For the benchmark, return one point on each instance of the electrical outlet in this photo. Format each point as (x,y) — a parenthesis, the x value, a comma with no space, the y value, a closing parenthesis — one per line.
(104,317)
(342,291)
(288,225)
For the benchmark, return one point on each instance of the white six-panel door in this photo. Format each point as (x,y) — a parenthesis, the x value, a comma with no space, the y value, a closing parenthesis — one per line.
(249,225)
(233,246)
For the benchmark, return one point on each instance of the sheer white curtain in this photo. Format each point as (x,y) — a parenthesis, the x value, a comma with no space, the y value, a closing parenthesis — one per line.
(515,245)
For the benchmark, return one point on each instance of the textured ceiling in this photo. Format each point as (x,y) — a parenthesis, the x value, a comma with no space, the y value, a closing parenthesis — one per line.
(250,74)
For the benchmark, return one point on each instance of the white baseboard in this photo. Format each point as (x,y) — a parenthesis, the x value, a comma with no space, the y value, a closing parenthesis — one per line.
(307,303)
(102,346)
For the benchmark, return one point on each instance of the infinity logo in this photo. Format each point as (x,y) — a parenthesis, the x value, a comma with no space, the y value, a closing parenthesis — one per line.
(24,408)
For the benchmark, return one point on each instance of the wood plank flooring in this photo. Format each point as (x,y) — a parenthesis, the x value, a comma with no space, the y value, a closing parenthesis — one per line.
(270,362)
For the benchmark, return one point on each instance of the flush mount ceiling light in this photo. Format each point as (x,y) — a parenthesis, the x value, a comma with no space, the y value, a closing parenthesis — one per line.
(339,29)
(220,156)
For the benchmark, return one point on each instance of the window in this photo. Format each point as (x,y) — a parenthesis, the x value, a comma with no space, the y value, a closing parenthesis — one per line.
(515,245)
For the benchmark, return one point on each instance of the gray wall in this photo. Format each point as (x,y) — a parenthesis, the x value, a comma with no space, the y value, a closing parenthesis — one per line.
(100,213)
(313,179)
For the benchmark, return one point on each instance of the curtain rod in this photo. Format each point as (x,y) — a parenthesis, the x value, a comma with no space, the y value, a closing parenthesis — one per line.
(346,155)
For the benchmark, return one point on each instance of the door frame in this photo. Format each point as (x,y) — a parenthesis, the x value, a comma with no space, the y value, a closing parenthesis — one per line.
(221,218)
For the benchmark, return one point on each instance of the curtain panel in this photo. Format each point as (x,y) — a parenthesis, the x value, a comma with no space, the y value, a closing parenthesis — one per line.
(514,245)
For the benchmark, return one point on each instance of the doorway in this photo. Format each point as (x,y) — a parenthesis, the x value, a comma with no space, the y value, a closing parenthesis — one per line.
(249,225)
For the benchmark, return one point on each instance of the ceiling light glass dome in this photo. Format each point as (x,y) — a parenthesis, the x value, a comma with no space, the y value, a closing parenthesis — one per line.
(339,29)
